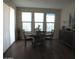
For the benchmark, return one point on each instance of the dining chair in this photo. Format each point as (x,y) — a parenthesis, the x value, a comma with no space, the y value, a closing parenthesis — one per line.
(26,38)
(40,37)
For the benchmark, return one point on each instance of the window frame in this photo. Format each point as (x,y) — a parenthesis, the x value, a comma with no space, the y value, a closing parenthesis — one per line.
(27,22)
(44,23)
(40,21)
(50,22)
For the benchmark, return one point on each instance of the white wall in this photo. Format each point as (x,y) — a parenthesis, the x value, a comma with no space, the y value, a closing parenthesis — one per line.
(69,9)
(6,30)
(8,27)
(12,25)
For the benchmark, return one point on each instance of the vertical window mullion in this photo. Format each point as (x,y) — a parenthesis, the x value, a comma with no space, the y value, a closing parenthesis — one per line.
(33,24)
(44,22)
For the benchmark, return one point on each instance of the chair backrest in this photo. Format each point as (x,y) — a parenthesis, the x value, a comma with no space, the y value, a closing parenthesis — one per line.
(24,35)
(52,34)
(40,35)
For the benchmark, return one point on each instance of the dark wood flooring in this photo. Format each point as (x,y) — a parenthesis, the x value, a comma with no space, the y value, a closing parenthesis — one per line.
(52,49)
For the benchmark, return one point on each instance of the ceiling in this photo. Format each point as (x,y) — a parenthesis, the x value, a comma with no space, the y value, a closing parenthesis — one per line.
(57,4)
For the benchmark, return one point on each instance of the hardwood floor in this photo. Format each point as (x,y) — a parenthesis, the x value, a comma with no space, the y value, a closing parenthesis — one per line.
(52,49)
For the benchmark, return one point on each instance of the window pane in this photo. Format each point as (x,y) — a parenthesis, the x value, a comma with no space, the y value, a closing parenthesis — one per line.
(27,26)
(41,26)
(50,27)
(50,17)
(39,17)
(26,16)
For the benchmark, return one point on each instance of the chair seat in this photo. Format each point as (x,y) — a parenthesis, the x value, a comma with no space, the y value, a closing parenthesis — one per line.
(48,38)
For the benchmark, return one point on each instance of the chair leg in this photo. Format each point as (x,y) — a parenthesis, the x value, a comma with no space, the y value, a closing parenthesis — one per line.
(25,42)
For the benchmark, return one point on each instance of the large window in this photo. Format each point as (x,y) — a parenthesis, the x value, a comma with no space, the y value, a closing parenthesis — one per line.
(26,21)
(29,24)
(50,20)
(39,19)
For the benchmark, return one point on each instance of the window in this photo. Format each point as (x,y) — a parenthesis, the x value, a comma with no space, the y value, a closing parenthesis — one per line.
(39,19)
(28,24)
(26,21)
(50,20)
(41,26)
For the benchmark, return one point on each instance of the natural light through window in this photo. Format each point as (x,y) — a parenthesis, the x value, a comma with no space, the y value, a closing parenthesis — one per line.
(39,19)
(50,27)
(26,21)
(33,21)
(26,26)
(26,16)
(41,26)
(50,17)
(50,20)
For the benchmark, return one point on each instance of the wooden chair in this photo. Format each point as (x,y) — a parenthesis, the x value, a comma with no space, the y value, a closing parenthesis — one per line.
(39,39)
(26,38)
(49,37)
